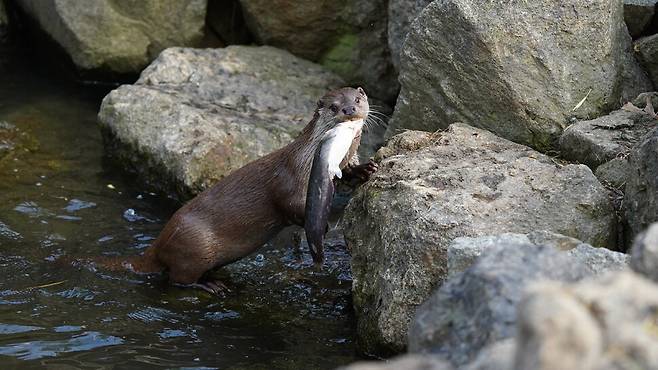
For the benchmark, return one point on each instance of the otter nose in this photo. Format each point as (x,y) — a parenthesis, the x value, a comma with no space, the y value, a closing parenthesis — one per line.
(348,111)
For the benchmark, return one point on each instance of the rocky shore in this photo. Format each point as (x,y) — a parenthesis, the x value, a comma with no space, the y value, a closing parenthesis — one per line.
(511,224)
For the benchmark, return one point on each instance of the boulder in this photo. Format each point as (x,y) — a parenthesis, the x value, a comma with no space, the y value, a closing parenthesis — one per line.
(595,142)
(464,251)
(522,69)
(641,191)
(401,13)
(613,173)
(118,36)
(406,362)
(638,14)
(606,323)
(644,255)
(347,37)
(646,50)
(477,307)
(433,188)
(194,115)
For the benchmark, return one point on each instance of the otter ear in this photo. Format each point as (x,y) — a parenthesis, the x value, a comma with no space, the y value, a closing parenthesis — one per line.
(360,90)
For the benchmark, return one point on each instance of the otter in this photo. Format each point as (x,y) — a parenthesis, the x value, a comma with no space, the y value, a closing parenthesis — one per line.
(249,206)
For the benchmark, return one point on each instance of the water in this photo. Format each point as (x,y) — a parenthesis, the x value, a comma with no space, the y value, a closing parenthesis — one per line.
(57,197)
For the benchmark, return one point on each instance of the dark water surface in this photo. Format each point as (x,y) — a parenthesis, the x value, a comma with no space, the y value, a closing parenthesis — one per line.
(58,198)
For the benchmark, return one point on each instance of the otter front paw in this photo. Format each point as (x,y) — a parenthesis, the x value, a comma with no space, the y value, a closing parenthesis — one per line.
(363,171)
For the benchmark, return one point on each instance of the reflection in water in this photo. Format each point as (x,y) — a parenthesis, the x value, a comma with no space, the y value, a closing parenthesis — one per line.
(58,199)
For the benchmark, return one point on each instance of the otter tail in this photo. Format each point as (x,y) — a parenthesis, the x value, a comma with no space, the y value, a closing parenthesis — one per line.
(147,263)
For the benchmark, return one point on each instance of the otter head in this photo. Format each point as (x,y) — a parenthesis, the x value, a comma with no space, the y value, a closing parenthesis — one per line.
(341,105)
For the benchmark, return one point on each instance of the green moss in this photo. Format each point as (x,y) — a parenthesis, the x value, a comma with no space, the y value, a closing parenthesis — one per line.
(339,58)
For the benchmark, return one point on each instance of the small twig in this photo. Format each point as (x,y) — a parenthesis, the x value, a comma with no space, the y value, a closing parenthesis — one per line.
(582,101)
(46,285)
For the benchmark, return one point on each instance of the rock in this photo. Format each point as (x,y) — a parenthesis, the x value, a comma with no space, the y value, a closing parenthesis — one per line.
(607,323)
(464,251)
(497,356)
(477,307)
(641,192)
(641,99)
(599,260)
(556,332)
(118,36)
(646,50)
(600,140)
(644,255)
(613,173)
(194,115)
(512,69)
(433,188)
(347,37)
(406,362)
(401,13)
(638,15)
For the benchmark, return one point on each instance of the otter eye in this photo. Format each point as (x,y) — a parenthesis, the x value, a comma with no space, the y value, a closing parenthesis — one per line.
(334,108)
(357,100)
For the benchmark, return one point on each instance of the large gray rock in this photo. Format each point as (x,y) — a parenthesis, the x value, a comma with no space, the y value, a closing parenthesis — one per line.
(641,192)
(118,36)
(464,251)
(646,50)
(401,13)
(347,37)
(638,15)
(602,324)
(195,115)
(406,362)
(433,188)
(602,139)
(477,307)
(644,255)
(518,68)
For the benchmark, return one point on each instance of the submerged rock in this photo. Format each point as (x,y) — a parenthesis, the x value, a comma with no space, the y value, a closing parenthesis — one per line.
(521,69)
(477,307)
(195,115)
(607,323)
(641,192)
(600,140)
(347,37)
(433,188)
(118,36)
(638,15)
(401,13)
(646,49)
(406,362)
(13,140)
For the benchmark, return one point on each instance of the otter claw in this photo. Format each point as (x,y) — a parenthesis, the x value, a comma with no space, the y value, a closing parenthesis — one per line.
(364,171)
(213,287)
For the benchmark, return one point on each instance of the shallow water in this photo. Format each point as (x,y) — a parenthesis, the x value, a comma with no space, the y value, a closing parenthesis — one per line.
(57,198)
